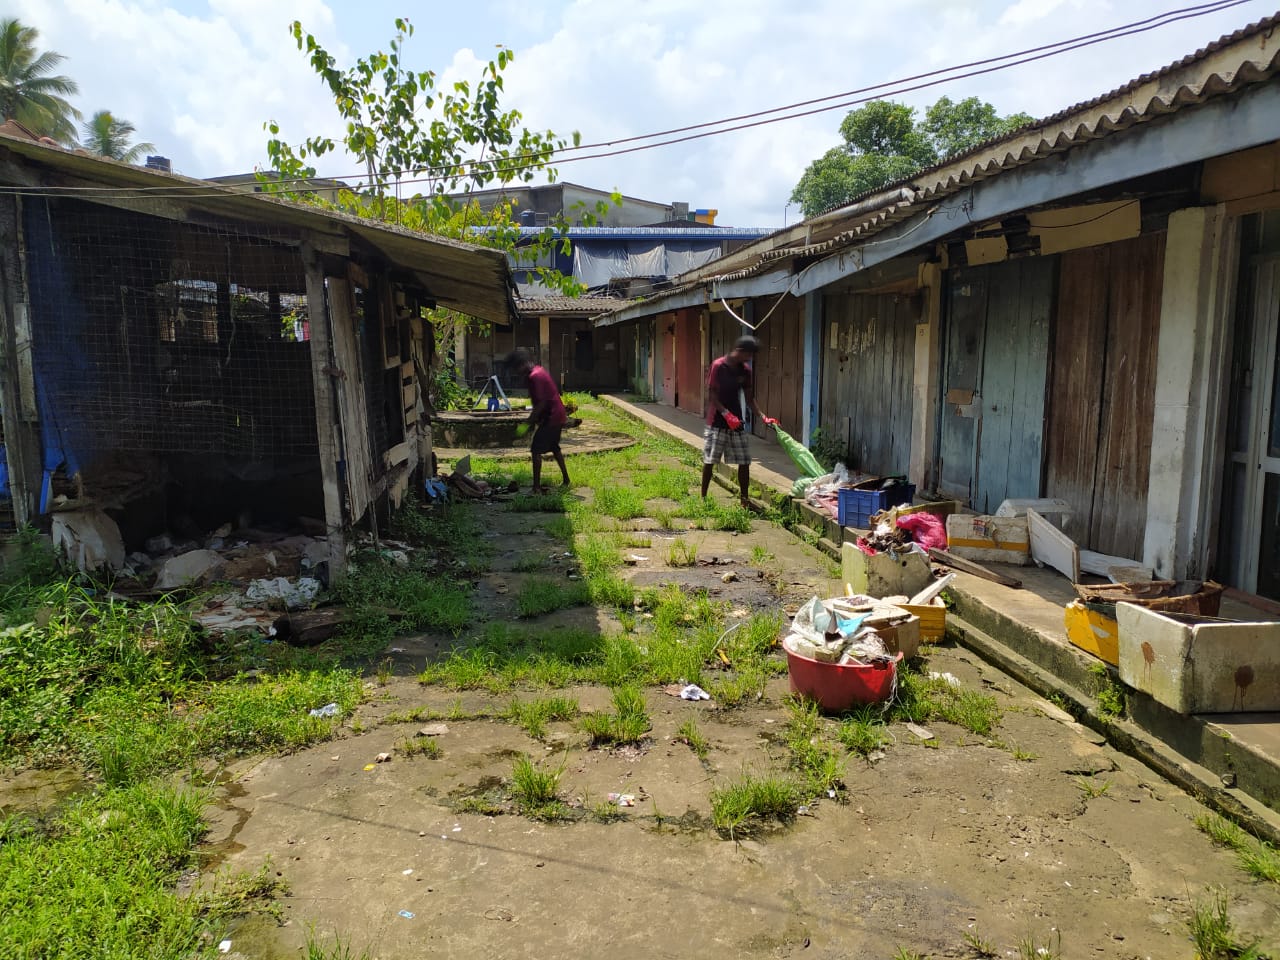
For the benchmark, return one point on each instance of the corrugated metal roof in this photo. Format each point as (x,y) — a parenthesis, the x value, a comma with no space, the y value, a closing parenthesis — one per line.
(462,276)
(654,233)
(1227,66)
(567,306)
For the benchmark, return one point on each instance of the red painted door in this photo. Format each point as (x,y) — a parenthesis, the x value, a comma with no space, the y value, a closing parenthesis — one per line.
(667,356)
(689,373)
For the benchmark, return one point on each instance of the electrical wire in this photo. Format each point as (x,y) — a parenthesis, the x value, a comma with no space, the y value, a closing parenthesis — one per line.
(756,119)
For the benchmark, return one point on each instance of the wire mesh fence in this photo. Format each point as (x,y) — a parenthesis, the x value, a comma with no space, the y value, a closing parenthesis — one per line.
(157,336)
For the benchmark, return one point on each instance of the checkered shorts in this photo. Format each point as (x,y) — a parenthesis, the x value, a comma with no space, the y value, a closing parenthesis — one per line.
(720,442)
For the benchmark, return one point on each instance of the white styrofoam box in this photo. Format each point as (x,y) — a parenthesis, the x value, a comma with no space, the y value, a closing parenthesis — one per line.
(987,539)
(1200,664)
(885,574)
(1045,506)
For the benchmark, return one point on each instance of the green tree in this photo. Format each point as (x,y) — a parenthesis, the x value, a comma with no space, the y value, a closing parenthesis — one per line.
(109,136)
(420,144)
(29,91)
(885,142)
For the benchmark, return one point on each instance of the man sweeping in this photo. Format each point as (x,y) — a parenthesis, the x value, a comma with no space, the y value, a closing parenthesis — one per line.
(546,414)
(729,395)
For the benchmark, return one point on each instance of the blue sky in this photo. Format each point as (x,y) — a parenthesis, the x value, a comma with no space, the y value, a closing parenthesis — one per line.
(200,77)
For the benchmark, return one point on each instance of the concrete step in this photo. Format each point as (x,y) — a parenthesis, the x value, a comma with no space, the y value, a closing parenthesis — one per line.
(1240,781)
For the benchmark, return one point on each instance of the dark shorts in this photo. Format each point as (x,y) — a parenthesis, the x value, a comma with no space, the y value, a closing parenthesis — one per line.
(546,439)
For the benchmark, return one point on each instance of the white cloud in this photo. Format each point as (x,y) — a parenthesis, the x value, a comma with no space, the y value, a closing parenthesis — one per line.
(200,86)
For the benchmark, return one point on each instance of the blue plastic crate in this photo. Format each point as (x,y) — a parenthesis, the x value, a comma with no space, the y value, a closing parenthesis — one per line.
(856,507)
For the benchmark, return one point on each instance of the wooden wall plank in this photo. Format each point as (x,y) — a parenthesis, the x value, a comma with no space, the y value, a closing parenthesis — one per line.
(1128,397)
(353,411)
(1075,395)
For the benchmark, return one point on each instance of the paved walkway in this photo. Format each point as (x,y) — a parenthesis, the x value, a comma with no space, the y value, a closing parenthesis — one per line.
(770,467)
(1231,761)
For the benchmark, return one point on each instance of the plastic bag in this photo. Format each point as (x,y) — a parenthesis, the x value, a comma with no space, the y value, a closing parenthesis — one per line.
(926,529)
(799,454)
(812,622)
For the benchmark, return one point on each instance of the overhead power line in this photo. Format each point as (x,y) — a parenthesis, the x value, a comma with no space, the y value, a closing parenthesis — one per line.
(710,128)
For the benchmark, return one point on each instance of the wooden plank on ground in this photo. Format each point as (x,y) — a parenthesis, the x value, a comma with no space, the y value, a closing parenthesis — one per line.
(976,569)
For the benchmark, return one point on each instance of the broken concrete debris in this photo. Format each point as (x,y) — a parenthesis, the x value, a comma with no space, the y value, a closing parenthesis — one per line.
(294,594)
(89,538)
(193,568)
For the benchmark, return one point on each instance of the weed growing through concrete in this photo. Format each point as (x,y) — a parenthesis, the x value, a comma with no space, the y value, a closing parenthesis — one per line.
(622,503)
(384,672)
(1091,790)
(818,763)
(541,595)
(689,734)
(1214,934)
(340,949)
(536,791)
(864,732)
(902,953)
(760,556)
(606,812)
(529,563)
(1031,947)
(532,716)
(1256,857)
(420,747)
(682,553)
(539,503)
(1108,691)
(978,946)
(921,699)
(628,723)
(752,801)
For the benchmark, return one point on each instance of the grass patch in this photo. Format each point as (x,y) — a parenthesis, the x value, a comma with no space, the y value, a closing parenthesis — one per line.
(628,723)
(692,737)
(1091,790)
(100,880)
(753,801)
(812,755)
(536,791)
(667,483)
(539,503)
(864,732)
(622,503)
(681,553)
(1213,932)
(529,563)
(1108,691)
(606,812)
(1256,857)
(541,595)
(532,716)
(921,699)
(978,946)
(427,747)
(1031,947)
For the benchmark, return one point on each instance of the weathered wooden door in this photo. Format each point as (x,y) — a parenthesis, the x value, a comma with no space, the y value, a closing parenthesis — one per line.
(994,375)
(867,377)
(1102,398)
(779,365)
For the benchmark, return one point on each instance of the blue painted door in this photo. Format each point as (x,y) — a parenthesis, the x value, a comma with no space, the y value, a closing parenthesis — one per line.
(991,441)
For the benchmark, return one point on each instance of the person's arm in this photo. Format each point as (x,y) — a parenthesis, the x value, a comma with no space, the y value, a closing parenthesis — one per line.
(750,393)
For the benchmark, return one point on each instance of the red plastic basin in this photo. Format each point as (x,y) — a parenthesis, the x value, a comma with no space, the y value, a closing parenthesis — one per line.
(838,687)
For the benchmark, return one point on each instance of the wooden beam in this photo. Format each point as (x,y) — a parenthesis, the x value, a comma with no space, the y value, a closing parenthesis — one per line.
(326,411)
(21,432)
(976,569)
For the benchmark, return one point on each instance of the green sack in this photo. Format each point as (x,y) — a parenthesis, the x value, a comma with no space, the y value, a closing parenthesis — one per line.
(799,453)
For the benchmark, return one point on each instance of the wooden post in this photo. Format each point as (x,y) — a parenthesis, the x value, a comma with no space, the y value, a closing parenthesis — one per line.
(17,392)
(326,411)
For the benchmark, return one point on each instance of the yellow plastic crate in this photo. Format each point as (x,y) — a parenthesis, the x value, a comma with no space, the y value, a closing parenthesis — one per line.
(1093,631)
(933,621)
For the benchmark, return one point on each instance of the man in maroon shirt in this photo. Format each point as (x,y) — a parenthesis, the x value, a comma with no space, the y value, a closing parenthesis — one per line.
(730,394)
(547,414)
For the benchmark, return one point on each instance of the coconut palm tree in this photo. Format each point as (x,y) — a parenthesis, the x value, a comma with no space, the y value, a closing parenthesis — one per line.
(108,136)
(29,92)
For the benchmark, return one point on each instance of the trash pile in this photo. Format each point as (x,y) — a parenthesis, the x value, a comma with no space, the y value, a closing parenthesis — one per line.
(845,630)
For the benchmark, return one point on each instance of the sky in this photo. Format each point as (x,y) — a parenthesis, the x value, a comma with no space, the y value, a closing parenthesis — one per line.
(199,78)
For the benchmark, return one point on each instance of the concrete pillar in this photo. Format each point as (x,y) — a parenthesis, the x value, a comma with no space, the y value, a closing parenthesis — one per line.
(924,392)
(544,341)
(1192,360)
(809,411)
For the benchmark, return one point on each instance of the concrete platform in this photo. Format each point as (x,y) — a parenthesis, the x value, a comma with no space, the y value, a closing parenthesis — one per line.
(1229,761)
